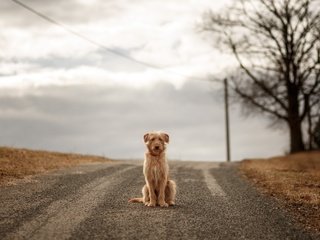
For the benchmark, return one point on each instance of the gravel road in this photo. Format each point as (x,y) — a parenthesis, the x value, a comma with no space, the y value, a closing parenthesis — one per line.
(90,202)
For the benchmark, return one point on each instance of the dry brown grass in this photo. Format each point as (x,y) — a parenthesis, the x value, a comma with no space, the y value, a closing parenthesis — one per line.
(293,179)
(19,163)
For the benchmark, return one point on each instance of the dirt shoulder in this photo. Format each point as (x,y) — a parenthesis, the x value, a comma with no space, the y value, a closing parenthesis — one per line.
(294,180)
(18,163)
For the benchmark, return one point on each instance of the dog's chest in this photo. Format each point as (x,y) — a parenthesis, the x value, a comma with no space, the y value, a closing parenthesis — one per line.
(155,169)
(156,172)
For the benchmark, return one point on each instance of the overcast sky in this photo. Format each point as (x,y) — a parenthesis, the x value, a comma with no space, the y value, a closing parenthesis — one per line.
(60,92)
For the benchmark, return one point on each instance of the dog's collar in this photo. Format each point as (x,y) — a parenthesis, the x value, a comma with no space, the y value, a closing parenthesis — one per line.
(154,155)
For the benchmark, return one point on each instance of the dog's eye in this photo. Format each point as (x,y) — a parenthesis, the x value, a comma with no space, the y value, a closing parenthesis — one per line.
(152,139)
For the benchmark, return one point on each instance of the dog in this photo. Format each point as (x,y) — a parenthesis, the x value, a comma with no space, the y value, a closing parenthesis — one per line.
(159,189)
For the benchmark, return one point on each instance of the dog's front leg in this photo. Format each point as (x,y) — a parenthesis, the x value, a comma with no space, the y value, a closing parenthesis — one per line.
(152,194)
(161,198)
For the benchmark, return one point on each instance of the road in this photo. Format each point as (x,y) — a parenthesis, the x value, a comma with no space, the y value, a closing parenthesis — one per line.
(90,202)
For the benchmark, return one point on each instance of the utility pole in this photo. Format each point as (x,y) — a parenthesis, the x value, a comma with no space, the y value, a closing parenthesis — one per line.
(226,101)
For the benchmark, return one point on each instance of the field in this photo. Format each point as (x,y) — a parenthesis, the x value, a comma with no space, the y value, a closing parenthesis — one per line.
(20,163)
(294,180)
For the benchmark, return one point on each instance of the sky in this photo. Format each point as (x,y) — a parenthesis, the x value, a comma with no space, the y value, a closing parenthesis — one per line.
(65,93)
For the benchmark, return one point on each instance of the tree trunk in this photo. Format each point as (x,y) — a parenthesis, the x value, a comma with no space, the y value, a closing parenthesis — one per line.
(294,121)
(296,140)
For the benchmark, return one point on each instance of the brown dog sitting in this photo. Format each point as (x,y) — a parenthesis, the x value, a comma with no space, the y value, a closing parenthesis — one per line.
(158,190)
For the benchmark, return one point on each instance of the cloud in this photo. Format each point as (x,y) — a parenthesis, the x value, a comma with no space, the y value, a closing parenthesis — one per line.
(112,120)
(157,33)
(60,92)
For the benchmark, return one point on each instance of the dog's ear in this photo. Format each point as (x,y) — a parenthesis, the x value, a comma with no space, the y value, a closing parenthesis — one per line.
(146,137)
(166,137)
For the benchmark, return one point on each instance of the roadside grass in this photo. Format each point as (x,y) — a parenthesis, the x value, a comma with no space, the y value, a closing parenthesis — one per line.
(16,163)
(292,179)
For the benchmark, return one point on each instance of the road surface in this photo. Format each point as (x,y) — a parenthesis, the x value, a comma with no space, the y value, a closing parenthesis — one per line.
(90,202)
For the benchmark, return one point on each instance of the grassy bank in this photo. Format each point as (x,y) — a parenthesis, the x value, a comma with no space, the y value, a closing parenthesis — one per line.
(18,163)
(294,180)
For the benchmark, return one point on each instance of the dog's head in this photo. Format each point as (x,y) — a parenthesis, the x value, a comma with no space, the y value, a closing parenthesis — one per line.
(156,142)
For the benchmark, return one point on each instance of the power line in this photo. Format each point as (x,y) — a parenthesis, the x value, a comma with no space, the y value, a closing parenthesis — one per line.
(68,29)
(71,31)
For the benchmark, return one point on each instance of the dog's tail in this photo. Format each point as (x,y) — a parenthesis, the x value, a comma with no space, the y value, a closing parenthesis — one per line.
(136,200)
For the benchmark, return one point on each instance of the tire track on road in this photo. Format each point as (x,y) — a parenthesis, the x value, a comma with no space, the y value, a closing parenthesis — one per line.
(212,184)
(26,201)
(255,216)
(115,218)
(196,215)
(61,217)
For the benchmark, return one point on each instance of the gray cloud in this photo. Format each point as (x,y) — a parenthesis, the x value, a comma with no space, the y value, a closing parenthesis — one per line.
(112,120)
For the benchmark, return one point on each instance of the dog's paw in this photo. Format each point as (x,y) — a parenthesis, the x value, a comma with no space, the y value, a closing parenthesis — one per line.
(164,204)
(171,203)
(151,204)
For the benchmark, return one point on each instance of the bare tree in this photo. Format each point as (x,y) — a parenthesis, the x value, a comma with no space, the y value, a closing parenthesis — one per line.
(277,46)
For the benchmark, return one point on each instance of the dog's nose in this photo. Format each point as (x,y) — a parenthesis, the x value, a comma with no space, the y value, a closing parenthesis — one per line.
(157,147)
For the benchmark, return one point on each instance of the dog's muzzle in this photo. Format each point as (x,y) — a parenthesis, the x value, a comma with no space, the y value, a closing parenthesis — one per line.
(157,149)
